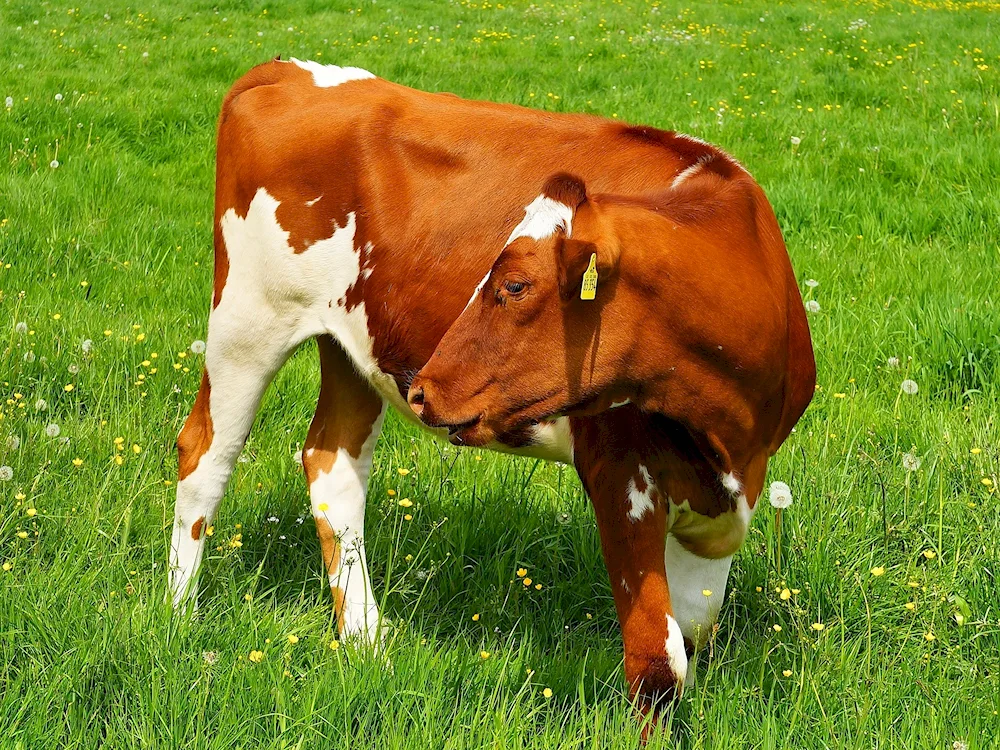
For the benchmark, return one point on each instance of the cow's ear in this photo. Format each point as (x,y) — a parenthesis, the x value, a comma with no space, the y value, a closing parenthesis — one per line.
(583,267)
(567,189)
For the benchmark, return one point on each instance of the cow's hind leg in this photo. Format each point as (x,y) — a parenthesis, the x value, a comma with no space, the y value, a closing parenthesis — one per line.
(240,361)
(337,460)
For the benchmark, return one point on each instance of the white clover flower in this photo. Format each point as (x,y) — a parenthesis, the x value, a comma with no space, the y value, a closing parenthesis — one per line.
(812,306)
(29,356)
(272,519)
(21,327)
(54,163)
(910,461)
(9,101)
(780,495)
(87,345)
(796,140)
(893,362)
(198,347)
(812,283)
(909,387)
(59,97)
(41,405)
(73,369)
(13,443)
(52,430)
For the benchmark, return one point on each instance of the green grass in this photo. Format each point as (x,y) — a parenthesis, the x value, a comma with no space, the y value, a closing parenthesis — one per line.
(890,201)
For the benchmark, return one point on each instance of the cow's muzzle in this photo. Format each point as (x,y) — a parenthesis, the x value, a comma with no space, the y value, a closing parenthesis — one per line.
(423,402)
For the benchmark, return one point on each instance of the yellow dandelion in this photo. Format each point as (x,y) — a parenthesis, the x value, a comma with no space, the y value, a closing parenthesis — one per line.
(136,449)
(547,692)
(878,571)
(987,481)
(256,656)
(209,531)
(293,639)
(590,616)
(976,451)
(20,496)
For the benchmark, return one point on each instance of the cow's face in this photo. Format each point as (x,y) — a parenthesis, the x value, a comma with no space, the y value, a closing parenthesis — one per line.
(528,347)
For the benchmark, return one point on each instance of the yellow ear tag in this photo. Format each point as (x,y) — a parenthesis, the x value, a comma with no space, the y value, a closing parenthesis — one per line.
(589,288)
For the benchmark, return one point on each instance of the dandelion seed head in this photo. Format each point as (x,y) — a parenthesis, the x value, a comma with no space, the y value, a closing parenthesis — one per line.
(812,283)
(812,306)
(13,443)
(893,362)
(29,356)
(54,163)
(909,387)
(6,473)
(910,461)
(795,142)
(59,97)
(780,495)
(21,327)
(9,101)
(52,430)
(87,346)
(198,347)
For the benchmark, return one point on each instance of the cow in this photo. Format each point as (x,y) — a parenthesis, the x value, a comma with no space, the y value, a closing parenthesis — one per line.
(562,286)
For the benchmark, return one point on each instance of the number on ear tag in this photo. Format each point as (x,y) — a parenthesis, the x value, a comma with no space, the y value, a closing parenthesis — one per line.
(589,288)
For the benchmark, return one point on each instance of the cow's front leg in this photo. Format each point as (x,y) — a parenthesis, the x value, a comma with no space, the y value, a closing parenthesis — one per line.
(631,517)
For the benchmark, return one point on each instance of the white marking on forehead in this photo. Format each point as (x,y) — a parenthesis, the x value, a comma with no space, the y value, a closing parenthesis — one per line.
(676,655)
(640,503)
(731,483)
(479,288)
(327,76)
(542,217)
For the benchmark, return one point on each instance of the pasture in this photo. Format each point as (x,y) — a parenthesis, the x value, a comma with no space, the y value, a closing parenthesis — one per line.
(874,129)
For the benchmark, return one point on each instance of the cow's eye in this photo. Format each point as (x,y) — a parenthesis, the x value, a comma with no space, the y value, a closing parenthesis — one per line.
(514,287)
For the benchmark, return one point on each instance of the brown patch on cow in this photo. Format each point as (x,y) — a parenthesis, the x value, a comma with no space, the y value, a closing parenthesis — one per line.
(196,436)
(346,412)
(338,606)
(197,527)
(329,545)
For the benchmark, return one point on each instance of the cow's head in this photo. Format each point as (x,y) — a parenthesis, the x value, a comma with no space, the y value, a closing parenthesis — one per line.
(528,347)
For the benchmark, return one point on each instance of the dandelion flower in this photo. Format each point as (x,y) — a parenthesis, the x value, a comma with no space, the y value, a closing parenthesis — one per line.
(795,142)
(293,639)
(407,517)
(52,430)
(59,97)
(909,387)
(812,306)
(323,507)
(29,356)
(976,451)
(78,462)
(256,656)
(42,405)
(7,567)
(878,571)
(780,495)
(538,587)
(68,387)
(910,606)
(21,327)
(209,657)
(547,692)
(812,283)
(9,101)
(248,597)
(73,369)
(22,535)
(54,164)
(13,443)
(198,347)
(910,462)
(86,346)
(893,362)
(6,473)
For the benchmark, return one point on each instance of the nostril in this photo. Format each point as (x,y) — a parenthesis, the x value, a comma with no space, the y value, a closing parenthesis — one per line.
(416,400)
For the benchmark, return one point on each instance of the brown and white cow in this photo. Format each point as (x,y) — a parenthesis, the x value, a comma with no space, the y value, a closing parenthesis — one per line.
(436,248)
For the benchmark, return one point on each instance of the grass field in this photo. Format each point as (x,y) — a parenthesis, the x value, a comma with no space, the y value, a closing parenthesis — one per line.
(874,127)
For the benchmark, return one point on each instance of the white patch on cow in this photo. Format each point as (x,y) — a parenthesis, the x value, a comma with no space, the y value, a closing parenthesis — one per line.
(542,218)
(479,288)
(676,655)
(314,201)
(326,76)
(716,150)
(731,483)
(338,496)
(687,173)
(690,575)
(640,503)
(553,441)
